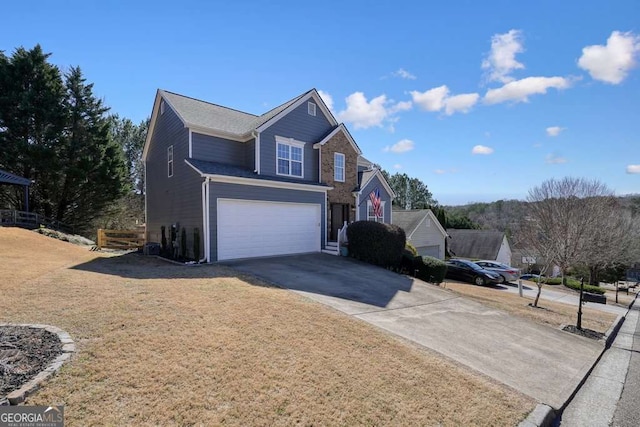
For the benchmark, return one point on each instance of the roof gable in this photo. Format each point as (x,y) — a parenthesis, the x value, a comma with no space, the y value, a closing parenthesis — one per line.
(410,220)
(475,244)
(291,105)
(368,175)
(340,128)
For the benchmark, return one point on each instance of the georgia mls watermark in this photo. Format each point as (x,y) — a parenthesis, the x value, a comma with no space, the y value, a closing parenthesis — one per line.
(31,416)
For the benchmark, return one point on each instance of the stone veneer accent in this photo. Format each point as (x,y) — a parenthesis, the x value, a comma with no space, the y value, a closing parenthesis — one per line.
(342,191)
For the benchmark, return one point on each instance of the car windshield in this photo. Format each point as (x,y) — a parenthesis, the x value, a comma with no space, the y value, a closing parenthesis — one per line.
(471,265)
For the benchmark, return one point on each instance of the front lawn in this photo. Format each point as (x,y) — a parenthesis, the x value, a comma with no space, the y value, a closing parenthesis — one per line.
(160,344)
(548,312)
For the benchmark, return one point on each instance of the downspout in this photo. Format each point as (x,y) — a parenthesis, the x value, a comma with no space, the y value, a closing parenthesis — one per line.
(205,229)
(256,137)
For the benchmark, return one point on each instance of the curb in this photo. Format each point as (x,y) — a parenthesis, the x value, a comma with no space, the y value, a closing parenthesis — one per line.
(542,416)
(17,397)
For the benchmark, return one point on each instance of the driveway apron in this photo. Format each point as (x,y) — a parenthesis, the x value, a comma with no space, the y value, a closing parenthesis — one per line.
(542,362)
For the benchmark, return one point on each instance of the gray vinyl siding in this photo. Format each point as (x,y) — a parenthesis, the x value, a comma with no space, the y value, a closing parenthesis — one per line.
(215,149)
(250,155)
(176,199)
(301,126)
(384,196)
(247,192)
(427,235)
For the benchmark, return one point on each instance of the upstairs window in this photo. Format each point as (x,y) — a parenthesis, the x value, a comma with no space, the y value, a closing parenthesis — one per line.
(170,161)
(311,108)
(290,157)
(338,167)
(162,107)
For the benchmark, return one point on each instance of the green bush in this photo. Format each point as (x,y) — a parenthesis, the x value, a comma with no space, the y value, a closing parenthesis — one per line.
(572,283)
(376,243)
(430,269)
(575,284)
(196,244)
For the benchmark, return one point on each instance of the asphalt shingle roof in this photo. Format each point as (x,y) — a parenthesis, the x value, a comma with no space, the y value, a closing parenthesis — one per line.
(475,244)
(409,220)
(217,117)
(215,168)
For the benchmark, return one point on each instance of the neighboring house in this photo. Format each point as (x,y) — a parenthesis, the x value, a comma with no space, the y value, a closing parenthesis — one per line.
(479,244)
(283,182)
(423,231)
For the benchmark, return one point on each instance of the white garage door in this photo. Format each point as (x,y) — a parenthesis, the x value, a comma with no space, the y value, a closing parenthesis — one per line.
(248,228)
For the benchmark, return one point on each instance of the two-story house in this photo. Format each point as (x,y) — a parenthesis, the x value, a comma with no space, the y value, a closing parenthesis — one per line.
(283,182)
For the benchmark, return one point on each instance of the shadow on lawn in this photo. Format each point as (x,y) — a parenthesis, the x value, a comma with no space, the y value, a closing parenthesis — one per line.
(321,274)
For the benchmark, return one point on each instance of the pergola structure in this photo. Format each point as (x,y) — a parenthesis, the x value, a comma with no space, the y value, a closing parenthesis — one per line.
(9,178)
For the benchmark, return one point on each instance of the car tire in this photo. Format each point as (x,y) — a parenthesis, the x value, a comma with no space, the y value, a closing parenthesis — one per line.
(479,280)
(502,280)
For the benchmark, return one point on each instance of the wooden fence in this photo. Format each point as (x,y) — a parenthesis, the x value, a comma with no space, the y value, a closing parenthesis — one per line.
(120,239)
(31,220)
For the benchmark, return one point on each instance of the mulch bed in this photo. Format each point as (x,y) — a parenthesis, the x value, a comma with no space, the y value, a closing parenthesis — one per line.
(24,352)
(588,333)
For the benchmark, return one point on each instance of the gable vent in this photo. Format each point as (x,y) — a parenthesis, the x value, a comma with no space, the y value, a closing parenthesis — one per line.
(311,108)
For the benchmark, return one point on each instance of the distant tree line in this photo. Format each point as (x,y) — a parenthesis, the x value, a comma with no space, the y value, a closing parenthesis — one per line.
(84,163)
(412,193)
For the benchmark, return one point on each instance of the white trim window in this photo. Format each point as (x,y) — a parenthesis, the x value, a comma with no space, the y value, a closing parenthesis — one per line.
(170,161)
(371,216)
(289,157)
(338,167)
(161,106)
(311,108)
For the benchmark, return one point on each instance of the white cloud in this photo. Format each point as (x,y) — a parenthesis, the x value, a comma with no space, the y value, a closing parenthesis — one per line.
(397,166)
(438,98)
(633,169)
(481,149)
(400,106)
(432,99)
(328,99)
(460,103)
(611,63)
(554,130)
(362,113)
(401,146)
(403,74)
(520,90)
(554,159)
(440,171)
(501,61)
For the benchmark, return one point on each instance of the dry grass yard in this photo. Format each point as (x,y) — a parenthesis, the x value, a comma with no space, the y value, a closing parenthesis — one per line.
(549,313)
(161,344)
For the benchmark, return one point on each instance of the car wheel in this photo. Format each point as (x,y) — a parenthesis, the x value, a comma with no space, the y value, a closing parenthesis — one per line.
(502,280)
(479,280)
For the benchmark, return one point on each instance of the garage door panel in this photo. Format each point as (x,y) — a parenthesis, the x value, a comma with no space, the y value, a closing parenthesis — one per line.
(253,228)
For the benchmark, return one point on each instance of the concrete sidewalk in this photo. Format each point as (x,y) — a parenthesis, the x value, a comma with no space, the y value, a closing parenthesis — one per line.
(596,402)
(544,363)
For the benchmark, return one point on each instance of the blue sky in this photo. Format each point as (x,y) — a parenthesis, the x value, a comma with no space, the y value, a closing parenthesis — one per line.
(480,100)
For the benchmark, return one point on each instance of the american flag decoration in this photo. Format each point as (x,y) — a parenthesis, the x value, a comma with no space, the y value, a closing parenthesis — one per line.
(374,196)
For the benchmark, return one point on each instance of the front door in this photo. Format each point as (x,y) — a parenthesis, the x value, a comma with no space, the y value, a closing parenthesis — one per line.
(339,214)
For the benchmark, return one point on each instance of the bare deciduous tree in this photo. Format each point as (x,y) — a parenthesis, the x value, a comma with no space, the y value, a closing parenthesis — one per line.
(561,220)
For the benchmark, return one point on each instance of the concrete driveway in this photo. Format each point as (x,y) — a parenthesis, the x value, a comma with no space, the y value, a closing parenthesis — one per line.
(544,363)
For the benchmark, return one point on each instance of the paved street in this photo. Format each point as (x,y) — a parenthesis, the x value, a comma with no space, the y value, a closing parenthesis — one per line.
(558,296)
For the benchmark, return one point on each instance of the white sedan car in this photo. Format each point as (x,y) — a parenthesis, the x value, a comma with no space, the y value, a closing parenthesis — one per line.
(507,273)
